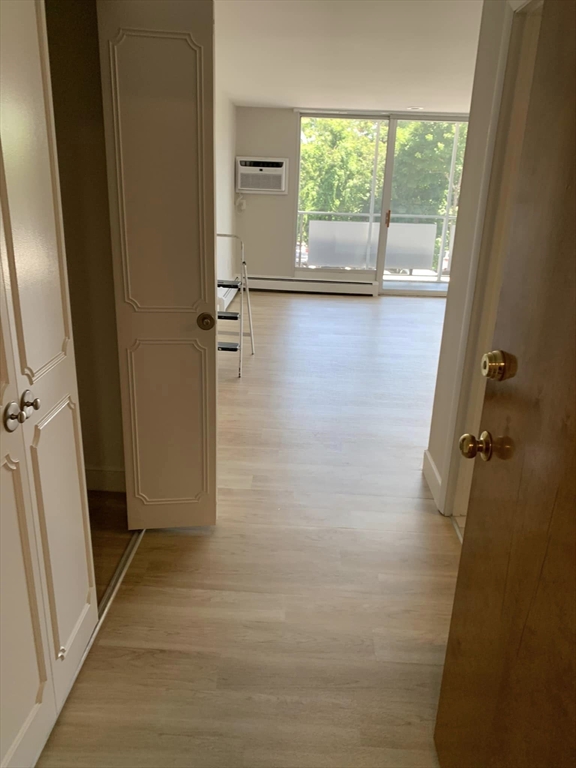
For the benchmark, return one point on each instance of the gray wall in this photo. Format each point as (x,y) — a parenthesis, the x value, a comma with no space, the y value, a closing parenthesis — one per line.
(75,66)
(268,225)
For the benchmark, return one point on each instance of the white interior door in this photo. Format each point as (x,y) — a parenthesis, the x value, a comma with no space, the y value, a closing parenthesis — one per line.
(34,271)
(157,76)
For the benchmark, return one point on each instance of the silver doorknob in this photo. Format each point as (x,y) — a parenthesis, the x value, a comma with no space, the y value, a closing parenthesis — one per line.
(471,447)
(206,321)
(29,403)
(13,416)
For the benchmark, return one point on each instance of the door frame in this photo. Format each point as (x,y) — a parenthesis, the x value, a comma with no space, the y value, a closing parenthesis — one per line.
(474,287)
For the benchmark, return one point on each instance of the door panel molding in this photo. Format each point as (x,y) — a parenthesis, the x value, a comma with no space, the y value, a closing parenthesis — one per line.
(55,594)
(124,36)
(13,467)
(137,417)
(41,148)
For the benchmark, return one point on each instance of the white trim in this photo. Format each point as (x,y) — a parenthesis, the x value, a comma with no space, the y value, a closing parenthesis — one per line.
(105,479)
(432,477)
(495,35)
(300,285)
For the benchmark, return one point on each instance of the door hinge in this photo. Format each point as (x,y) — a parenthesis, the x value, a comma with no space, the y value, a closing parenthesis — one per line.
(388,214)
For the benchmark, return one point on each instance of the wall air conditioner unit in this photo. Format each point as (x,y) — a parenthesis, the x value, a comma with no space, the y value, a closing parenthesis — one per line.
(262,175)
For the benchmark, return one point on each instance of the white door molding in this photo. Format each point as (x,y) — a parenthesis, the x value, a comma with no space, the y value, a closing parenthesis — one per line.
(458,334)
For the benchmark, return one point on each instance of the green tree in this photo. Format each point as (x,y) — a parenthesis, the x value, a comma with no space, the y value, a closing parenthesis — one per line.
(337,162)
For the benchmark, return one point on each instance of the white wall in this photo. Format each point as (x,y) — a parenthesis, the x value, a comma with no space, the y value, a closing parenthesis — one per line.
(224,155)
(268,225)
(441,460)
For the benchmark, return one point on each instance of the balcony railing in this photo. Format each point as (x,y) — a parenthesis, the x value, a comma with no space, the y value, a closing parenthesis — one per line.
(419,246)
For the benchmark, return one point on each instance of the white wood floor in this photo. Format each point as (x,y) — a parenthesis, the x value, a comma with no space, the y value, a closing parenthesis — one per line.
(309,629)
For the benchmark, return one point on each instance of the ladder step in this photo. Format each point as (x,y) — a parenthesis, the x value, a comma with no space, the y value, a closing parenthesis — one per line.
(228,346)
(228,315)
(229,283)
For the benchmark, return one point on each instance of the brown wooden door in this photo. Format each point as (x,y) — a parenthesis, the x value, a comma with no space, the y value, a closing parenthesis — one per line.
(508,688)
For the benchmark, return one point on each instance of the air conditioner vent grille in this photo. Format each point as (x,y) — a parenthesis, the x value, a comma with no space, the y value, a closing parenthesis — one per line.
(260,181)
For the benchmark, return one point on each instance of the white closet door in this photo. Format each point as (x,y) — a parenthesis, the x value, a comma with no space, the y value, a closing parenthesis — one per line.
(27,704)
(157,76)
(34,269)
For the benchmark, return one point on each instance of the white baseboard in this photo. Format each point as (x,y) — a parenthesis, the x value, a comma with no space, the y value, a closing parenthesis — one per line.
(433,478)
(307,285)
(105,479)
(225,296)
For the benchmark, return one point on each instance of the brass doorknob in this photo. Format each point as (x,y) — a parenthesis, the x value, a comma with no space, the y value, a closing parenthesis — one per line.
(498,365)
(471,447)
(206,321)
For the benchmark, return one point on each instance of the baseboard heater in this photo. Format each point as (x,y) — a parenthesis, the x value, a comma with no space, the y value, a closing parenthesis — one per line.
(307,285)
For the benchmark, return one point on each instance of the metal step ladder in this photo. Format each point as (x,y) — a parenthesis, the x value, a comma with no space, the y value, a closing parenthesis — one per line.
(241,284)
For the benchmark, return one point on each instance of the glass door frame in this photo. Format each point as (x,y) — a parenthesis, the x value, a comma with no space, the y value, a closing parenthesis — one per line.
(386,212)
(368,273)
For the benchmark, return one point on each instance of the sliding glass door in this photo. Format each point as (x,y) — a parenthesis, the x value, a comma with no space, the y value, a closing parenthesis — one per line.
(426,175)
(378,198)
(342,164)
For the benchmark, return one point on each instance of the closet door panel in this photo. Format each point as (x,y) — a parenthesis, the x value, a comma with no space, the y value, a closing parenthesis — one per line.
(27,703)
(37,295)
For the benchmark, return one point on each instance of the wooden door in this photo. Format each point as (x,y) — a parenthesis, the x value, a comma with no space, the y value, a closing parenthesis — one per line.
(508,688)
(34,272)
(157,75)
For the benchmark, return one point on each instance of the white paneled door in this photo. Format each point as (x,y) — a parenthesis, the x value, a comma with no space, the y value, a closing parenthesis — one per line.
(48,595)
(157,75)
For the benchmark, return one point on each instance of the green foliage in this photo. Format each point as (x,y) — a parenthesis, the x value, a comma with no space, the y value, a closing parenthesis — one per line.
(337,158)
(422,166)
(337,161)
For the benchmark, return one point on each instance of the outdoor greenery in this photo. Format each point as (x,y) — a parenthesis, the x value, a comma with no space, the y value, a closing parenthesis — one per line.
(337,161)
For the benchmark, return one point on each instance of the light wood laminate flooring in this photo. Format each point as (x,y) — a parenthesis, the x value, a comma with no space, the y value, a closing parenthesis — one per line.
(308,629)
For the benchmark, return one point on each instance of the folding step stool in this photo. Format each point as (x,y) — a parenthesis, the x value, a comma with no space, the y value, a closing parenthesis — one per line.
(241,283)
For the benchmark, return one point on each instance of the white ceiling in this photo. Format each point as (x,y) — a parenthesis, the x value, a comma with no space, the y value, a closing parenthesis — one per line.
(348,54)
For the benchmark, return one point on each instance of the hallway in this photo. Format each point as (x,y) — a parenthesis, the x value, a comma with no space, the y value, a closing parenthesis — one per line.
(308,629)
